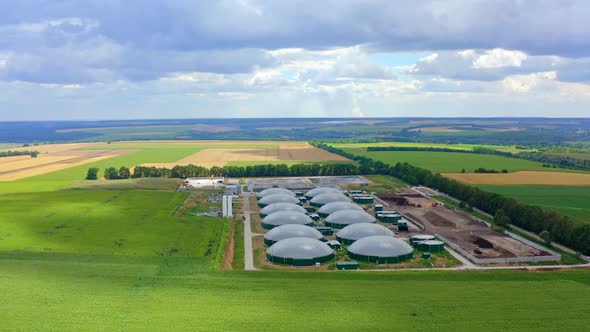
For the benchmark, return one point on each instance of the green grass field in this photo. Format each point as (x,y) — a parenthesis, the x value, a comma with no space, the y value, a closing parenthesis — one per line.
(463,147)
(571,201)
(79,292)
(453,162)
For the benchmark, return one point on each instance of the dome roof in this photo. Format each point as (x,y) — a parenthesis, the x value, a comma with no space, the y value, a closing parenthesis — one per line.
(278,198)
(276,207)
(300,248)
(322,190)
(348,217)
(273,191)
(292,230)
(286,217)
(380,246)
(330,208)
(358,231)
(322,199)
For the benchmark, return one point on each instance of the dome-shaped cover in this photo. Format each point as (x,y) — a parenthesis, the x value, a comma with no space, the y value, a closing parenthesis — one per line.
(348,217)
(422,237)
(329,198)
(358,231)
(380,246)
(292,230)
(322,190)
(432,243)
(287,217)
(276,207)
(300,248)
(274,191)
(278,198)
(330,208)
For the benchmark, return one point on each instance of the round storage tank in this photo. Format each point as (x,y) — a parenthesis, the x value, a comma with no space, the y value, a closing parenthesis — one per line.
(330,208)
(274,191)
(288,231)
(299,251)
(321,190)
(277,198)
(354,232)
(380,249)
(431,246)
(323,199)
(276,207)
(285,218)
(343,218)
(420,238)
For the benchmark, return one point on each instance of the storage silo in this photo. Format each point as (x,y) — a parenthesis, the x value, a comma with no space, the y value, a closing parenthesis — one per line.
(432,246)
(414,239)
(330,208)
(275,191)
(291,230)
(364,199)
(351,233)
(322,190)
(276,207)
(324,199)
(380,249)
(299,251)
(343,218)
(277,198)
(284,218)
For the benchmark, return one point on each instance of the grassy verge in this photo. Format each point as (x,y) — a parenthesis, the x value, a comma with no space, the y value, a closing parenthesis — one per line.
(238,262)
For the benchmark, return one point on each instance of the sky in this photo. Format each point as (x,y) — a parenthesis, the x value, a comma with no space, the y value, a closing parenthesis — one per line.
(114,59)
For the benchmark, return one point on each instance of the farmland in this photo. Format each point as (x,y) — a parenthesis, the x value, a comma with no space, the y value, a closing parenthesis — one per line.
(451,162)
(130,154)
(462,147)
(109,293)
(569,200)
(524,177)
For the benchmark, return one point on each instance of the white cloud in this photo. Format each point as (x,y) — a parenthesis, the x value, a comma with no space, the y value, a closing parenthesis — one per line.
(497,58)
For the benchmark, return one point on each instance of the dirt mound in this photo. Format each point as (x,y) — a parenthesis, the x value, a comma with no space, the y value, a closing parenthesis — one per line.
(439,221)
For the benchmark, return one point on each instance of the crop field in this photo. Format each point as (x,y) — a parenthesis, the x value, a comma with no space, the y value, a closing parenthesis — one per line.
(463,147)
(67,292)
(524,177)
(452,162)
(58,175)
(569,200)
(139,223)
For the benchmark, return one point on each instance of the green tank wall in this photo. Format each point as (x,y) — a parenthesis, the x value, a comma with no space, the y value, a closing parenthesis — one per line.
(381,260)
(431,248)
(298,262)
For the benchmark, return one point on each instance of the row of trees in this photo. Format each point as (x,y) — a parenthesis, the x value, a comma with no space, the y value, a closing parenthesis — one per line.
(269,170)
(9,153)
(533,218)
(556,159)
(477,150)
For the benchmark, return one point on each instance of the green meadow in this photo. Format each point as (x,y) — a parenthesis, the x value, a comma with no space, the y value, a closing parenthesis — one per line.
(572,201)
(452,162)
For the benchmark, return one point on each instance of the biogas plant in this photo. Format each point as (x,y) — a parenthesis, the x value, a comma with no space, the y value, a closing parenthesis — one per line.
(330,223)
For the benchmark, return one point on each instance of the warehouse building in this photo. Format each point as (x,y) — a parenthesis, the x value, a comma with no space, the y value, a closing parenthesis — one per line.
(299,251)
(285,218)
(277,198)
(354,232)
(275,191)
(321,190)
(343,218)
(323,199)
(276,207)
(291,230)
(380,249)
(330,208)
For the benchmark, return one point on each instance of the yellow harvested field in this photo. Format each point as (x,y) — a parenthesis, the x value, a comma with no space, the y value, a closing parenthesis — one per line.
(52,158)
(524,177)
(287,151)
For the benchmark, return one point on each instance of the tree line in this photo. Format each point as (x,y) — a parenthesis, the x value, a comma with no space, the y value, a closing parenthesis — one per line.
(532,218)
(9,153)
(476,150)
(270,170)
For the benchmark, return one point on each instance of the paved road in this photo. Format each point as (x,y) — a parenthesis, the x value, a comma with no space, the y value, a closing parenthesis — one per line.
(248,250)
